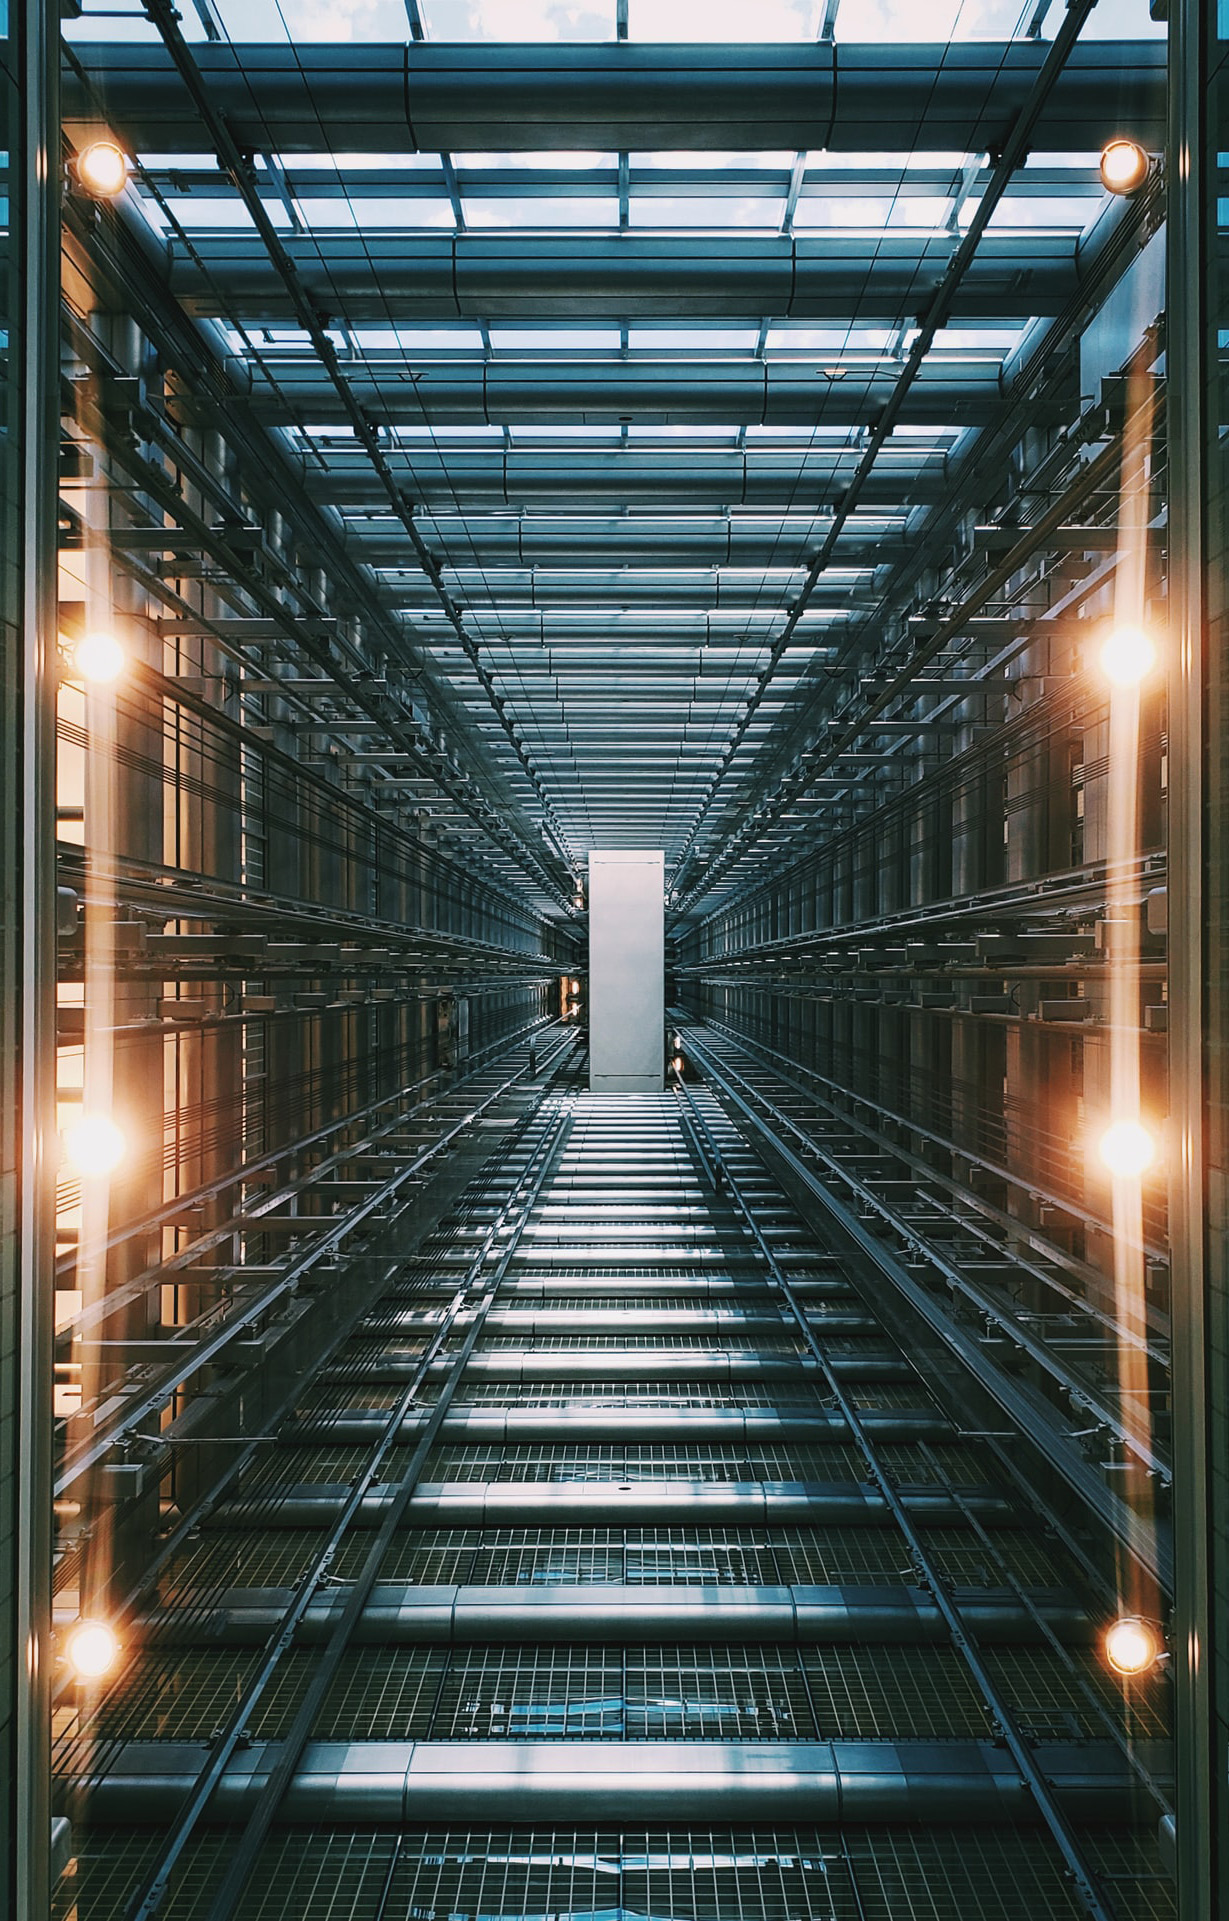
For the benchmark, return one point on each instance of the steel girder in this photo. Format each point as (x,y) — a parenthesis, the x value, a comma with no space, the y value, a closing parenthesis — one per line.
(818,390)
(374,278)
(405,1615)
(429,97)
(705,477)
(462,1782)
(714,539)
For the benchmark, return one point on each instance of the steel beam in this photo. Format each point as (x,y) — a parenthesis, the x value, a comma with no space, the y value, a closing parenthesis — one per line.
(641,1503)
(372,278)
(440,477)
(646,1364)
(412,1616)
(589,1782)
(803,393)
(482,1426)
(658,540)
(432,97)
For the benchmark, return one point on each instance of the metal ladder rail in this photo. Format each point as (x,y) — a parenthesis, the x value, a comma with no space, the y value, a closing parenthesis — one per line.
(263,1815)
(336,1229)
(1043,1268)
(150,1897)
(1081,1392)
(963,1637)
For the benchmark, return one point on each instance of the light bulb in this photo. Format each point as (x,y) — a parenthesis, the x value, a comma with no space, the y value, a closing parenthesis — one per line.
(573,987)
(95,1145)
(1128,655)
(1127,1149)
(99,658)
(1132,1645)
(92,1650)
(1124,166)
(102,169)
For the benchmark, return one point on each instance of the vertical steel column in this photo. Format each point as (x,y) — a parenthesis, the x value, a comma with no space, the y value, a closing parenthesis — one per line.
(25,1887)
(1200,1766)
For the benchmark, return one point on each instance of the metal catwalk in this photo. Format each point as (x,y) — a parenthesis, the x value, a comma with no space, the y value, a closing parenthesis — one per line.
(618,1562)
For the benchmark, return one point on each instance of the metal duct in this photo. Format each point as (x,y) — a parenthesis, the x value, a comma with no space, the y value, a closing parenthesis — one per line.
(429,96)
(612,1504)
(742,392)
(411,1616)
(683,540)
(641,1364)
(598,1782)
(574,276)
(492,1426)
(707,477)
(537,1324)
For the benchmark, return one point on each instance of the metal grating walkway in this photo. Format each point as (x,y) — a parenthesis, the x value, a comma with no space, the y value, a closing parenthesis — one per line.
(654,1614)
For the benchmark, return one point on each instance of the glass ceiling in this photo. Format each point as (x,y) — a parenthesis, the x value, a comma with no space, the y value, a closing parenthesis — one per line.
(625,460)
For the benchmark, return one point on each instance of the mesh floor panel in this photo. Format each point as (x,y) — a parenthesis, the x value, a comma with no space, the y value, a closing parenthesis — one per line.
(621,1686)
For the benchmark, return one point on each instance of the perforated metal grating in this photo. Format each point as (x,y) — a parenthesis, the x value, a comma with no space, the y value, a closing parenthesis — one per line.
(597,1691)
(695,1874)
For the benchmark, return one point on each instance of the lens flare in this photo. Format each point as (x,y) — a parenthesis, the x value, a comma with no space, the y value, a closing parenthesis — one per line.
(99,658)
(1132,1645)
(1124,166)
(1127,1149)
(102,169)
(1128,656)
(95,1145)
(92,1650)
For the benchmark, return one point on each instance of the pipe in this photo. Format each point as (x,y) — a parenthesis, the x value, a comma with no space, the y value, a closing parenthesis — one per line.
(493,1426)
(688,539)
(536,1324)
(585,1782)
(638,1364)
(437,276)
(681,1502)
(743,392)
(440,476)
(411,1616)
(432,97)
(483,589)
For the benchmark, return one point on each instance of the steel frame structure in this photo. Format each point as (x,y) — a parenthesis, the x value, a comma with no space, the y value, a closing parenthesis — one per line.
(487,453)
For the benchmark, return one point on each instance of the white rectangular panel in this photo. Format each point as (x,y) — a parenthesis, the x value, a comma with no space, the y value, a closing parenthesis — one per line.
(627,989)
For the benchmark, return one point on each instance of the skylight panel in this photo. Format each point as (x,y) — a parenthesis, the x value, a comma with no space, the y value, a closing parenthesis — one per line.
(586,20)
(482,431)
(427,339)
(1043,214)
(857,212)
(101,22)
(786,339)
(990,338)
(685,432)
(204,216)
(555,339)
(407,212)
(927,21)
(557,432)
(693,339)
(707,21)
(1125,20)
(343,163)
(821,160)
(544,211)
(686,162)
(711,211)
(570,161)
(311,20)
